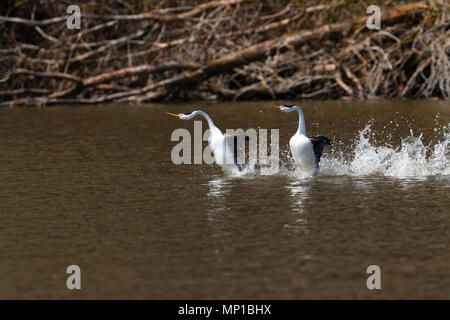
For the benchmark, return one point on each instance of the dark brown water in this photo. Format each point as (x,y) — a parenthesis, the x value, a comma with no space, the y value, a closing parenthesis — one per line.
(96,187)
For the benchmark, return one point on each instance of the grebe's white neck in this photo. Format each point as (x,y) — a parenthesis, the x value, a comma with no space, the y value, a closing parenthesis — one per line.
(208,119)
(301,119)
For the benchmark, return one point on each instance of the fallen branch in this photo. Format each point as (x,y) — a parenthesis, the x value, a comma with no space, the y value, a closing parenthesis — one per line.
(227,49)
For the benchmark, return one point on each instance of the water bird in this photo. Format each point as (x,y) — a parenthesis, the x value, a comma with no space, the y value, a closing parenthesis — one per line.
(305,150)
(218,142)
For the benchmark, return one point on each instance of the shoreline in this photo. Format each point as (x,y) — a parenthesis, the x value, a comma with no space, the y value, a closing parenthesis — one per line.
(224,51)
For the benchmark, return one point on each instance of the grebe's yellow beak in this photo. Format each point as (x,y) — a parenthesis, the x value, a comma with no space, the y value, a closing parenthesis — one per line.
(278,107)
(174,114)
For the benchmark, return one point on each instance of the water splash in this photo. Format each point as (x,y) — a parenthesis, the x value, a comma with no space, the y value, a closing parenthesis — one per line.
(410,159)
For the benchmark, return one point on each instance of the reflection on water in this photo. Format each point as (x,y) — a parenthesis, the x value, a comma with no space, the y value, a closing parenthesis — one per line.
(299,194)
(218,189)
(95,186)
(411,182)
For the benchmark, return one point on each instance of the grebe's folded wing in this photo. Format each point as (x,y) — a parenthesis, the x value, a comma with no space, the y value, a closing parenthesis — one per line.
(236,143)
(319,142)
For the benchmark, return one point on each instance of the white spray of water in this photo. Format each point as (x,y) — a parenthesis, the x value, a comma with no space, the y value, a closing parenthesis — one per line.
(411,159)
(408,160)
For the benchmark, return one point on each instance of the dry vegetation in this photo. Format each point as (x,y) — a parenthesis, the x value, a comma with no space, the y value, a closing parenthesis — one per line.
(137,51)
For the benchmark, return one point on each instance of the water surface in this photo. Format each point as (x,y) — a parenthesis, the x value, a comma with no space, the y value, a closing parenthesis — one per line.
(95,187)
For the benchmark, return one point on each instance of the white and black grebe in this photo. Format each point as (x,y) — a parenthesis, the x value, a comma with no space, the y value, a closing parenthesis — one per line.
(218,143)
(305,150)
